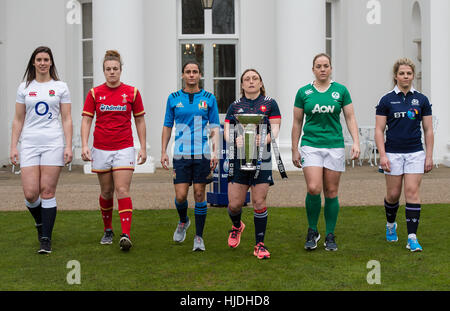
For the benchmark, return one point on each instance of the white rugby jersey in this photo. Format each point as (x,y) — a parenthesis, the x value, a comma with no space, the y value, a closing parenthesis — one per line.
(42,126)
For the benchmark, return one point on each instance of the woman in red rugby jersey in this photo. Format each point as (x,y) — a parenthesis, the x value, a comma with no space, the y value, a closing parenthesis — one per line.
(113,153)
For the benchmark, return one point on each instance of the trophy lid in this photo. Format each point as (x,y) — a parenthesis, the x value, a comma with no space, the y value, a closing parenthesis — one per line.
(249,118)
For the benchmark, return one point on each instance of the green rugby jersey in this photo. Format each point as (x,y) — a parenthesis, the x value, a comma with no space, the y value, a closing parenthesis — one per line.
(322,127)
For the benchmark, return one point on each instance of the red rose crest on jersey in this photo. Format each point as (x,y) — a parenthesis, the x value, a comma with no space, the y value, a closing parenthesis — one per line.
(263,108)
(51,93)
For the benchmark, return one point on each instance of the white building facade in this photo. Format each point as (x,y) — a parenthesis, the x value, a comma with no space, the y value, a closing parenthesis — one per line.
(279,38)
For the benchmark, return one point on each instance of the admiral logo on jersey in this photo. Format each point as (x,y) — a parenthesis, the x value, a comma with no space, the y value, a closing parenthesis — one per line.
(104,107)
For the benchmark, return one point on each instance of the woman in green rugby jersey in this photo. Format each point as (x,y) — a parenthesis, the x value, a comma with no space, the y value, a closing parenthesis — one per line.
(322,154)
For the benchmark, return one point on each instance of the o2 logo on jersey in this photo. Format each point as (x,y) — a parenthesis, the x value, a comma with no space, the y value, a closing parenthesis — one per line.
(41,109)
(412,113)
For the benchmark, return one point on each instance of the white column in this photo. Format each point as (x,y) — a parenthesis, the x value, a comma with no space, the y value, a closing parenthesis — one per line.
(119,25)
(439,76)
(300,36)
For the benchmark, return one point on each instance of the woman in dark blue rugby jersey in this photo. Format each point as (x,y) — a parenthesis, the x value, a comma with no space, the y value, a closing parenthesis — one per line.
(253,101)
(402,156)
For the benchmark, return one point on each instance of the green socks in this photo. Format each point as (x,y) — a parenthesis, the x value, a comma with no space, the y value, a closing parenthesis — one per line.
(313,204)
(331,210)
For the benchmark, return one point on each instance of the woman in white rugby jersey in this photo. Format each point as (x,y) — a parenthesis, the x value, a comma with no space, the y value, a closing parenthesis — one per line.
(45,141)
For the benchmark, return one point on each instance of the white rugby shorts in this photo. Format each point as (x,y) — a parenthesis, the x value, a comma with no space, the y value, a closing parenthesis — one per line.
(41,155)
(330,158)
(406,163)
(112,160)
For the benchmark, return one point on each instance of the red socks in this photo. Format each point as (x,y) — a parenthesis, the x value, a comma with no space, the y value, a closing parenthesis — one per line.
(106,206)
(125,212)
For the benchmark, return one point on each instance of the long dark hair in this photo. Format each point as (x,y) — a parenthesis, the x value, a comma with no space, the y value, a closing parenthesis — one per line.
(30,73)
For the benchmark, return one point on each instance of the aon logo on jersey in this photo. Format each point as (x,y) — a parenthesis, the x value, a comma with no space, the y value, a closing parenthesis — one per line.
(323,109)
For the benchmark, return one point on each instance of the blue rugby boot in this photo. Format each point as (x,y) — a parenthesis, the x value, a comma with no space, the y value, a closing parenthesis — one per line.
(413,245)
(391,233)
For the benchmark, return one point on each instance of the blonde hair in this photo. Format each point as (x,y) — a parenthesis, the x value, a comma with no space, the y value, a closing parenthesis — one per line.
(402,61)
(112,55)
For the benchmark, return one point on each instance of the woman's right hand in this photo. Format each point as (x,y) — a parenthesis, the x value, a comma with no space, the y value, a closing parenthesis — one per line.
(240,141)
(86,153)
(296,158)
(165,161)
(14,156)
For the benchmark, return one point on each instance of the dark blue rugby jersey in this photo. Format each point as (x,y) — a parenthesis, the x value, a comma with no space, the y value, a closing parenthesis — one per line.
(191,113)
(403,119)
(262,105)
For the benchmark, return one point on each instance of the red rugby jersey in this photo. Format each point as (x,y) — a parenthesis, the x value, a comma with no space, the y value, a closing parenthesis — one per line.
(113,107)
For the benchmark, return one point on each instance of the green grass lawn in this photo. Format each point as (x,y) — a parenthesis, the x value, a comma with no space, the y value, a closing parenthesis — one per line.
(156,263)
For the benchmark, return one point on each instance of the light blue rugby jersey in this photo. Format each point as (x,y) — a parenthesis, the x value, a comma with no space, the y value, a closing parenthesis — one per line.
(191,114)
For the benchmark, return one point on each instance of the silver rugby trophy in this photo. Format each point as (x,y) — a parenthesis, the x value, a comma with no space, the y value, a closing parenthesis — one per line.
(249,121)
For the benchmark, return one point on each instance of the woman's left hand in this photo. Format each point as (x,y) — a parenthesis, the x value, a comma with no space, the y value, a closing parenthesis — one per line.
(258,140)
(355,153)
(428,164)
(214,161)
(142,156)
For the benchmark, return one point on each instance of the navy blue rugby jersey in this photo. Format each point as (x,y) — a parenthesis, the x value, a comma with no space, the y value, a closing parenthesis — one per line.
(403,119)
(261,105)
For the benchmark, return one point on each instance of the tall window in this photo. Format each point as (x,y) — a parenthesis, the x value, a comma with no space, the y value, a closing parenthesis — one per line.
(328,29)
(209,37)
(86,39)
